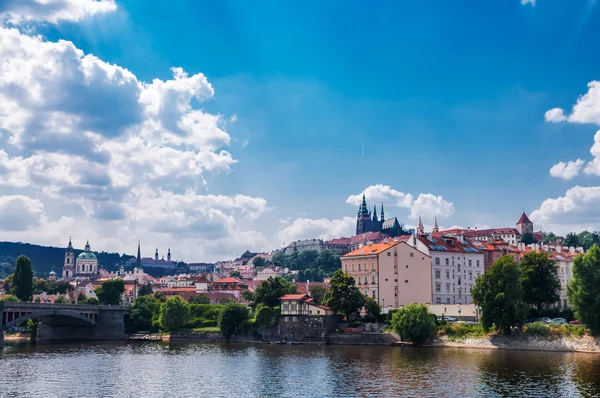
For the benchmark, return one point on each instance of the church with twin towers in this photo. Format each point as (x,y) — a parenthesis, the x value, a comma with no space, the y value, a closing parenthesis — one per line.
(370,222)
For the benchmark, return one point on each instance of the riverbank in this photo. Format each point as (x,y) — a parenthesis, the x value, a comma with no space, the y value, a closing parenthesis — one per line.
(585,344)
(16,338)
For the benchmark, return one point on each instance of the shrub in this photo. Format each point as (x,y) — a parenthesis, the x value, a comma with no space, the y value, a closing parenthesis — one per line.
(10,297)
(462,330)
(537,329)
(414,323)
(174,314)
(231,319)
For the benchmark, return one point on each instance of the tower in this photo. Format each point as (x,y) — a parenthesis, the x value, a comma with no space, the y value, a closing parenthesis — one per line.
(363,218)
(156,254)
(382,213)
(69,265)
(436,228)
(524,225)
(420,229)
(138,260)
(375,214)
(169,254)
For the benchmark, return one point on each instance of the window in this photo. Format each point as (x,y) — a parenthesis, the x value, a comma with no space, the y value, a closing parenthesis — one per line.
(437,261)
(470,275)
(458,281)
(366,292)
(373,266)
(458,267)
(389,254)
(412,254)
(346,267)
(469,263)
(395,254)
(478,263)
(318,312)
(310,312)
(353,265)
(447,288)
(447,274)
(406,281)
(373,279)
(448,300)
(437,274)
(438,287)
(359,268)
(373,293)
(447,261)
(360,280)
(438,300)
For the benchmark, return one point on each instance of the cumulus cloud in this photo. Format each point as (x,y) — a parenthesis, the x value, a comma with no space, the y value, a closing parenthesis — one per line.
(128,155)
(17,11)
(575,211)
(555,115)
(306,228)
(586,110)
(19,213)
(426,205)
(567,171)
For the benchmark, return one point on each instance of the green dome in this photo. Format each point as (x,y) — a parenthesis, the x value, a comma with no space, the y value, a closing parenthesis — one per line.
(87,256)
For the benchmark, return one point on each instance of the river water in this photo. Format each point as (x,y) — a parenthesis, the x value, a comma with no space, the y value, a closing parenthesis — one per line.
(240,370)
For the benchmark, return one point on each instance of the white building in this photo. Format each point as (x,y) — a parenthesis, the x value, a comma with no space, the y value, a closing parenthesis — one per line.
(455,264)
(269,272)
(308,244)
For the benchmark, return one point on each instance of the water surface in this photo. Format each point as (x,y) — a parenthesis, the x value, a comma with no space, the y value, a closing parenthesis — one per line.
(239,370)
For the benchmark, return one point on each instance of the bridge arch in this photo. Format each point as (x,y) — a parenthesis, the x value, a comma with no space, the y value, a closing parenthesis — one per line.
(73,318)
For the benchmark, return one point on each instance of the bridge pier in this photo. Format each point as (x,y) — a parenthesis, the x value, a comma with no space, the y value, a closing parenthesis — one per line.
(109,326)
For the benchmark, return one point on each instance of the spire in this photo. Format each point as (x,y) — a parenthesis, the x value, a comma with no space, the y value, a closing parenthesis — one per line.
(382,213)
(363,208)
(420,229)
(70,247)
(156,254)
(87,245)
(436,228)
(138,260)
(169,254)
(375,213)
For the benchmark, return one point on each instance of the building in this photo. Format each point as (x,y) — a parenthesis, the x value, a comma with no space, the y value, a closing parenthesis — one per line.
(85,266)
(308,244)
(341,245)
(455,264)
(149,262)
(370,222)
(393,273)
(524,225)
(366,238)
(201,267)
(302,304)
(269,272)
(493,249)
(229,286)
(52,276)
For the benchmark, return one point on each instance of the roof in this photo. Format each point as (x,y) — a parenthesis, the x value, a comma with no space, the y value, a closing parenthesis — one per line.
(524,219)
(390,223)
(338,241)
(371,250)
(368,236)
(492,231)
(447,244)
(178,289)
(228,280)
(87,256)
(293,296)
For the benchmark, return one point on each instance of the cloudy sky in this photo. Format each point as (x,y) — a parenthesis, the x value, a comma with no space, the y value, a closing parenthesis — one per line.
(216,127)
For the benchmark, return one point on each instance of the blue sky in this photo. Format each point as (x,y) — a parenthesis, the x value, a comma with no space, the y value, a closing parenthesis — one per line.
(449,103)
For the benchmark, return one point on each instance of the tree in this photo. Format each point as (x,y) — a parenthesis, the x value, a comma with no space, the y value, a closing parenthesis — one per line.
(343,296)
(235,274)
(259,262)
(61,300)
(145,290)
(528,238)
(199,299)
(40,285)
(571,239)
(268,292)
(586,239)
(414,323)
(23,279)
(583,289)
(37,300)
(174,314)
(59,287)
(248,295)
(539,283)
(92,301)
(266,317)
(372,307)
(499,297)
(317,292)
(231,319)
(111,292)
(143,311)
(549,237)
(329,261)
(81,299)
(10,297)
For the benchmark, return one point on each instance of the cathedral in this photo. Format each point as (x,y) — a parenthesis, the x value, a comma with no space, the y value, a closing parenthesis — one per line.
(85,266)
(369,222)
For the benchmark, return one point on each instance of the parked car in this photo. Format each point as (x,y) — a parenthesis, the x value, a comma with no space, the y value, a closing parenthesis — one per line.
(532,320)
(545,319)
(446,318)
(575,322)
(559,320)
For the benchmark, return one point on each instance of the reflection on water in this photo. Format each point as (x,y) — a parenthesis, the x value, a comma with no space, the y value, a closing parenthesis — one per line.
(238,370)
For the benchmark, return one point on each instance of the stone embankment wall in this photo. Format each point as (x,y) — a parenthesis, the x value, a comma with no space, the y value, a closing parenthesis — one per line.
(361,338)
(547,343)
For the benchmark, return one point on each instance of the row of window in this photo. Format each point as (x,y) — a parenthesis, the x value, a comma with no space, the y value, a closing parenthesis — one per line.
(438,300)
(438,275)
(360,279)
(437,262)
(360,268)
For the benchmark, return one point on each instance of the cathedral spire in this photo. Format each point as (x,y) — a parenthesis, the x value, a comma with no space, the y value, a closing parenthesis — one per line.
(70,247)
(363,210)
(138,260)
(436,228)
(420,229)
(375,213)
(169,254)
(156,254)
(382,213)
(87,245)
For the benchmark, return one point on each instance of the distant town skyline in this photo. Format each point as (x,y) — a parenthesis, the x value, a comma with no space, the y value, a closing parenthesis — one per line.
(216,128)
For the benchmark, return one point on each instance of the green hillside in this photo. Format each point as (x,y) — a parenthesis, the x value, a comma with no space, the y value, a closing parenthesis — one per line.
(47,258)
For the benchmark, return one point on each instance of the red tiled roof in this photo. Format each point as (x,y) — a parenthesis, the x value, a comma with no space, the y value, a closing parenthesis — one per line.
(228,280)
(447,244)
(524,219)
(293,297)
(339,241)
(371,250)
(368,236)
(178,289)
(471,233)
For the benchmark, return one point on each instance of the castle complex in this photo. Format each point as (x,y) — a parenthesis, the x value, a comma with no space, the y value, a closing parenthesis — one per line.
(369,222)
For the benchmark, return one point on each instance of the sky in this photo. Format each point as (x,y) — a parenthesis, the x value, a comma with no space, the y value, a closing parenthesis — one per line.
(215,127)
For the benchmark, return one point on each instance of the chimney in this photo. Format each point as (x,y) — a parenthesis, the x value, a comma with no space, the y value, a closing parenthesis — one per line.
(558,248)
(571,249)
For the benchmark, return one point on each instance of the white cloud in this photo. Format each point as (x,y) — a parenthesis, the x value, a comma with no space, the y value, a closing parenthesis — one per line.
(567,170)
(532,2)
(306,228)
(578,209)
(19,213)
(586,110)
(426,205)
(17,11)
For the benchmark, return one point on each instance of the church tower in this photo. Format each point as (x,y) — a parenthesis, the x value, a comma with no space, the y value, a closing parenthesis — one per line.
(363,218)
(420,228)
(138,260)
(524,225)
(382,214)
(169,254)
(156,254)
(436,228)
(69,265)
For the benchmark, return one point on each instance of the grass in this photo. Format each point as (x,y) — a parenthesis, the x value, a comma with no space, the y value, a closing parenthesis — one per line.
(209,329)
(461,331)
(554,330)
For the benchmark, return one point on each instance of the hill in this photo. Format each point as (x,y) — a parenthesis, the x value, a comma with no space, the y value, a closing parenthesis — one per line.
(47,258)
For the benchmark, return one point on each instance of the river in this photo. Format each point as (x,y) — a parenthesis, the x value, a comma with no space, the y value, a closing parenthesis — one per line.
(240,370)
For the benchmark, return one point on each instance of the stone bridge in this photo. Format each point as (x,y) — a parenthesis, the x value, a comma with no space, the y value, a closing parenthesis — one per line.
(66,322)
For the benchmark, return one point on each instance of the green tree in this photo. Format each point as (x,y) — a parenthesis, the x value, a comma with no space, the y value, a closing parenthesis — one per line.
(499,297)
(571,239)
(61,300)
(259,262)
(248,295)
(549,237)
(81,299)
(23,279)
(143,311)
(60,287)
(539,283)
(414,323)
(10,297)
(268,292)
(231,319)
(528,238)
(317,292)
(586,239)
(174,314)
(235,274)
(583,289)
(92,301)
(40,285)
(329,261)
(372,307)
(145,290)
(37,300)
(111,291)
(199,299)
(343,296)
(266,317)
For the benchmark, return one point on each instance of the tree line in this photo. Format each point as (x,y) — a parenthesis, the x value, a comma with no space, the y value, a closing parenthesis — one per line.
(310,264)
